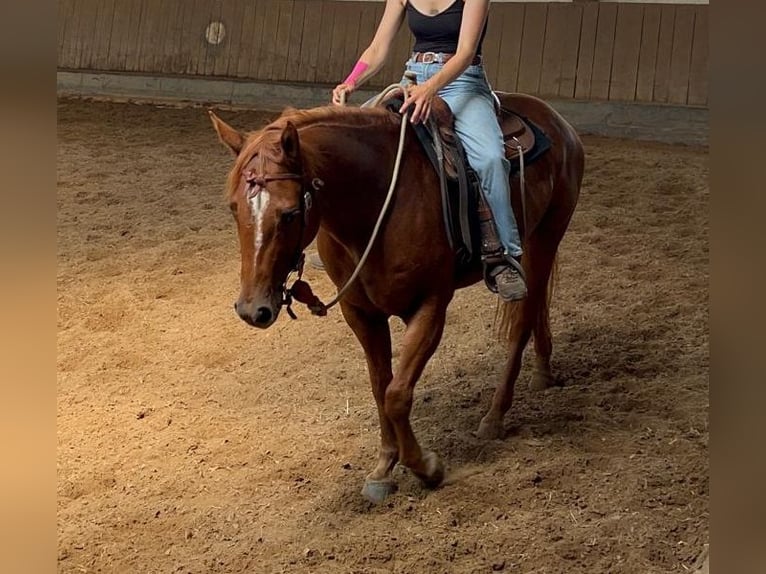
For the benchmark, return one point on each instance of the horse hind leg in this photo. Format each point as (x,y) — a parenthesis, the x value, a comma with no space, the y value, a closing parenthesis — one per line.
(542,376)
(519,321)
(547,237)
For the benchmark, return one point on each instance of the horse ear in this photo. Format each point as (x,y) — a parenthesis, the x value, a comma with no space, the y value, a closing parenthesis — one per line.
(290,144)
(227,134)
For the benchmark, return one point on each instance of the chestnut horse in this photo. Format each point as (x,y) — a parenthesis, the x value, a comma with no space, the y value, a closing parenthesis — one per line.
(324,173)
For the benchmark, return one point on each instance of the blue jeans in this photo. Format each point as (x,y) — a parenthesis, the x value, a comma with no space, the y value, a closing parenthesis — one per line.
(472,103)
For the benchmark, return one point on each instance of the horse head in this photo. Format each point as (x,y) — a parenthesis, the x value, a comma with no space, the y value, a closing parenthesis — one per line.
(271,201)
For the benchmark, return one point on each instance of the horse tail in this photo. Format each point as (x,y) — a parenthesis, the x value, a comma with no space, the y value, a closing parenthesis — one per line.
(507,314)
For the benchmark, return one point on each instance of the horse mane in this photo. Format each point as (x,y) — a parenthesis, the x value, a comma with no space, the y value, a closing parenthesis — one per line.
(266,141)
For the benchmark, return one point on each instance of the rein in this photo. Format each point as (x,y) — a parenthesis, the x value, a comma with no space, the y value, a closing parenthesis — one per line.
(300,290)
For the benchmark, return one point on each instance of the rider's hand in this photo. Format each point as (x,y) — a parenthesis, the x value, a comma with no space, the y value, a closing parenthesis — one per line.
(339,90)
(419,98)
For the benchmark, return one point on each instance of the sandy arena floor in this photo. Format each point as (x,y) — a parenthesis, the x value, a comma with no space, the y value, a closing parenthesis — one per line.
(189,442)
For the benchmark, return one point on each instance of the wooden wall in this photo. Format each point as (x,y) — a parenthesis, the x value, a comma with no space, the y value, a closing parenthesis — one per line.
(584,50)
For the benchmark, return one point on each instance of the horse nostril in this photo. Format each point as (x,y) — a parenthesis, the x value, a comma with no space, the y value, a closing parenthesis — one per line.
(235,306)
(263,315)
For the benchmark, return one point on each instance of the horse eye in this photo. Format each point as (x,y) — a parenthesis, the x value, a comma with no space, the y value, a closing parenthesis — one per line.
(288,216)
(233,207)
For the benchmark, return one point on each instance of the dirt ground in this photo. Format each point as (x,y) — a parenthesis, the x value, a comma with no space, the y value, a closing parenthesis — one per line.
(189,442)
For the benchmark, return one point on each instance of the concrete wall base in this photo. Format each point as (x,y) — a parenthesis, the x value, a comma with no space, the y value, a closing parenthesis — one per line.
(653,122)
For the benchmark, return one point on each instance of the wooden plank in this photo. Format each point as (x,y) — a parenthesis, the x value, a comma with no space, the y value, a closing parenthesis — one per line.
(368,24)
(282,45)
(257,40)
(490,48)
(647,55)
(118,35)
(214,52)
(131,52)
(192,35)
(340,30)
(401,53)
(67,27)
(312,26)
(170,61)
(300,8)
(698,74)
(509,59)
(162,28)
(186,49)
(64,13)
(246,39)
(324,47)
(270,16)
(205,9)
(379,80)
(568,74)
(553,49)
(350,52)
(101,33)
(390,69)
(664,50)
(76,41)
(231,17)
(680,59)
(627,46)
(587,51)
(85,30)
(148,37)
(602,58)
(167,30)
(535,17)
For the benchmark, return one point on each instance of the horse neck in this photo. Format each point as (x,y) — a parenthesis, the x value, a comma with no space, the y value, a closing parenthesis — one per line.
(357,164)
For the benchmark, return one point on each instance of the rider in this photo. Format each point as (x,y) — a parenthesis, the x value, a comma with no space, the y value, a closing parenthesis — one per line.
(447,62)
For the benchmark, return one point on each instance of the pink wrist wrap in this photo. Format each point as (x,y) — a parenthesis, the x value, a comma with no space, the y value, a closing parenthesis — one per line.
(358,70)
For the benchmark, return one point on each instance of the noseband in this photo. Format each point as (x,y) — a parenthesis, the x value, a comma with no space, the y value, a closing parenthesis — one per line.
(256,183)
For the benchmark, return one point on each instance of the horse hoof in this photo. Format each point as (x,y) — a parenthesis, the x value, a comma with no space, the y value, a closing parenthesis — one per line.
(434,470)
(376,491)
(541,381)
(490,429)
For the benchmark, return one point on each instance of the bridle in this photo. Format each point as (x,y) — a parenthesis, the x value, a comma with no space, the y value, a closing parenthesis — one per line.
(300,290)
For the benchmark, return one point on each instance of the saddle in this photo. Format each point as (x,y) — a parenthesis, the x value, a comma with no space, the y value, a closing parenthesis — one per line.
(519,135)
(467,219)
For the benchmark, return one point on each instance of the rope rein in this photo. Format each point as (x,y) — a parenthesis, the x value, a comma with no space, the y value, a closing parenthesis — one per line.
(383,211)
(300,290)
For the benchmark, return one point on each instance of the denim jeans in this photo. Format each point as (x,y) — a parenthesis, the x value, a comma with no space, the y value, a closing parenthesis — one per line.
(472,103)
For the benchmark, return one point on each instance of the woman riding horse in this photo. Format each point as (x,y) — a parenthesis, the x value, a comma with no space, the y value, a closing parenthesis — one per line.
(448,63)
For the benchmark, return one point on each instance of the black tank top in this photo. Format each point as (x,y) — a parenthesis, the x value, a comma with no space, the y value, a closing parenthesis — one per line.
(438,33)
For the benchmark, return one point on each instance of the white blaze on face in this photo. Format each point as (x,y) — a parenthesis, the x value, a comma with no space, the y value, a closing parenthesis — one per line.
(258,204)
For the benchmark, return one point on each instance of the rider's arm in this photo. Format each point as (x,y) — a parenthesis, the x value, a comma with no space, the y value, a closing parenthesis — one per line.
(373,58)
(377,52)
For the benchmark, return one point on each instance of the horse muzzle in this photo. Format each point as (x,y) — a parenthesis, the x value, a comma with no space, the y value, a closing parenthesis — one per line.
(261,314)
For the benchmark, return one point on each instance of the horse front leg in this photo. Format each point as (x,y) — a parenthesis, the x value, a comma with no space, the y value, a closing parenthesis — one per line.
(422,336)
(374,334)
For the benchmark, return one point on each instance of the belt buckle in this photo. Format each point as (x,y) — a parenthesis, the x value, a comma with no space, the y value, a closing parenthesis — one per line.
(430,57)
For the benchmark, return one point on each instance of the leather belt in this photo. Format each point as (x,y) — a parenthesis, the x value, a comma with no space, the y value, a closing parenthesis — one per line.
(440,58)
